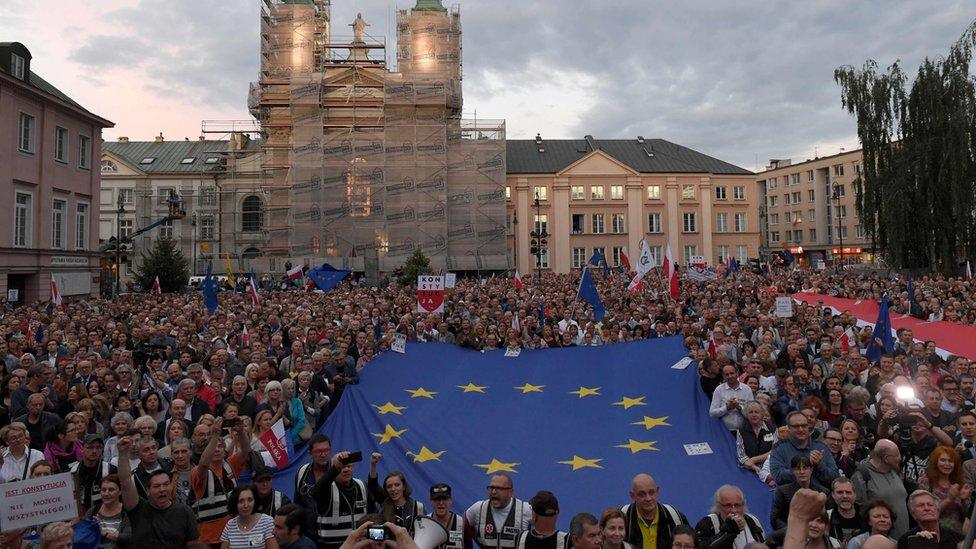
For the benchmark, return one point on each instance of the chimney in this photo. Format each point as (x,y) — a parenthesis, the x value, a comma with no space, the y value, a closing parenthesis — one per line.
(159,138)
(202,137)
(123,139)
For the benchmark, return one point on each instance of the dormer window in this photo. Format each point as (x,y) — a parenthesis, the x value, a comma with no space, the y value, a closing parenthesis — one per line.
(18,66)
(148,160)
(188,160)
(211,160)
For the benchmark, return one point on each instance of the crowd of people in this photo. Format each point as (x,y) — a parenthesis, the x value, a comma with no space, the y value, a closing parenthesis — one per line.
(157,408)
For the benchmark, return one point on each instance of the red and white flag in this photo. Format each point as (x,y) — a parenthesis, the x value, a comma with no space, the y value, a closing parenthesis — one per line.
(847,339)
(516,325)
(671,273)
(278,444)
(625,261)
(518,281)
(55,294)
(253,290)
(245,336)
(295,273)
(969,272)
(644,264)
(157,289)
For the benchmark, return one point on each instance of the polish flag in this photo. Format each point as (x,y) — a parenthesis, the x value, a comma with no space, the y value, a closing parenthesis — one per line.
(253,290)
(670,272)
(847,339)
(55,294)
(278,444)
(245,336)
(516,325)
(712,349)
(295,273)
(518,281)
(624,260)
(157,289)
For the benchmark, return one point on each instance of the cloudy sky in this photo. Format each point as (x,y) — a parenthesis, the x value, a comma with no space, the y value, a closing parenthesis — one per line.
(745,81)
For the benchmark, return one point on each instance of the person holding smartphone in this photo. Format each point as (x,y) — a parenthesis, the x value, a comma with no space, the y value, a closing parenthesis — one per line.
(341,500)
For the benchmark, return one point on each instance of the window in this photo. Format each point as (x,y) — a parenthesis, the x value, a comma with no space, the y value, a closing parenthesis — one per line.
(722,223)
(773,201)
(162,198)
(147,160)
(23,219)
(723,253)
(18,66)
(843,231)
(125,228)
(617,224)
(251,214)
(655,253)
(771,183)
(688,192)
(654,223)
(127,195)
(841,211)
(59,208)
(840,190)
(211,160)
(786,199)
(109,167)
(508,192)
(617,251)
(654,192)
(579,258)
(596,192)
(542,223)
(857,168)
(809,175)
(597,224)
(578,192)
(859,231)
(208,196)
(739,223)
(81,226)
(61,144)
(578,223)
(207,228)
(789,217)
(688,220)
(616,192)
(742,253)
(774,236)
(813,235)
(84,152)
(795,198)
(508,225)
(188,160)
(690,251)
(720,193)
(811,195)
(838,170)
(25,133)
(251,253)
(774,219)
(542,193)
(811,215)
(543,259)
(798,236)
(794,179)
(602,253)
(738,193)
(166,229)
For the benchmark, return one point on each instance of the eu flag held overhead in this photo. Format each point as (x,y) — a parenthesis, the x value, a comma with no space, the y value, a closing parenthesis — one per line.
(580,422)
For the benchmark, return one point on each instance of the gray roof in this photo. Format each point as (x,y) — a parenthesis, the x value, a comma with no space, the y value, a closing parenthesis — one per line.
(169,155)
(523,156)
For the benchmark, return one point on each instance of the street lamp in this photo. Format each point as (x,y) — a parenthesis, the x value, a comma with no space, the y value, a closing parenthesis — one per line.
(539,236)
(840,228)
(193,224)
(118,246)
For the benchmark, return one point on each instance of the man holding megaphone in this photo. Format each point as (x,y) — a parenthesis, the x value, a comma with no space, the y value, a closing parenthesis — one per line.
(441,501)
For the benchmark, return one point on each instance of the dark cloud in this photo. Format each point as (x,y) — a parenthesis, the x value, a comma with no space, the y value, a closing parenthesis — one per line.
(103,51)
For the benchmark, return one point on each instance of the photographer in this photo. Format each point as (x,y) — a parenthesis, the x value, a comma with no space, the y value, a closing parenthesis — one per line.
(342,501)
(367,532)
(916,438)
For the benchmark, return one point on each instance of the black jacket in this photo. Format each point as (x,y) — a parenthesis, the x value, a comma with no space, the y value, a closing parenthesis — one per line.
(781,502)
(708,538)
(668,518)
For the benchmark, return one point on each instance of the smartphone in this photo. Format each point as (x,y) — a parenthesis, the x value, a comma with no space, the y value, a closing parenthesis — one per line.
(918,542)
(353,457)
(376,533)
(232,422)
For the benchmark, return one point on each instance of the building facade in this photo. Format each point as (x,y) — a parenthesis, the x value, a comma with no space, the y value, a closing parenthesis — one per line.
(607,195)
(810,209)
(48,185)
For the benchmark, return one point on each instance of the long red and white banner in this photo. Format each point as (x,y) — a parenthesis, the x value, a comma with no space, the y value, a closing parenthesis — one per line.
(949,337)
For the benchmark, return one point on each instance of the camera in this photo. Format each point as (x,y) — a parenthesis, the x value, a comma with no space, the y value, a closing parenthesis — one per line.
(378,533)
(353,457)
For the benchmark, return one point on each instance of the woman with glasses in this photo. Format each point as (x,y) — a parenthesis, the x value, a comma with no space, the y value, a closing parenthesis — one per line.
(17,459)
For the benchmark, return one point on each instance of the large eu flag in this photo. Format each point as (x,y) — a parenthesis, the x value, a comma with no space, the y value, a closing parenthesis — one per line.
(580,422)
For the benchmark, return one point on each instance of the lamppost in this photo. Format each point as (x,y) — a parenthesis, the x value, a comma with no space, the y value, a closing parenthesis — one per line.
(118,246)
(840,228)
(539,236)
(193,224)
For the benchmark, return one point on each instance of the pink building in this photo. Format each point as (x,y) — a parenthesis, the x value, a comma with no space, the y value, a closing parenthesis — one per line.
(49,185)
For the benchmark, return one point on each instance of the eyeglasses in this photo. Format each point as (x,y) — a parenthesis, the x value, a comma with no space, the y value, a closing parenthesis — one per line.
(834,439)
(498,488)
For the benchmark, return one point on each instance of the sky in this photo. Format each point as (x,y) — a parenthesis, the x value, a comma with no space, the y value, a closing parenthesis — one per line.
(744,81)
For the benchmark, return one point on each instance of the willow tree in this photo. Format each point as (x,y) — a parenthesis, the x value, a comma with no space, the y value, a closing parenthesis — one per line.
(916,195)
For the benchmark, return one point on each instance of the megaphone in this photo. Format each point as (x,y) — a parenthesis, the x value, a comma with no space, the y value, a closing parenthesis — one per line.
(428,533)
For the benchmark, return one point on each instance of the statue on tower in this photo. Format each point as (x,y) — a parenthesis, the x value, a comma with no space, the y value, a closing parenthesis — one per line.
(359,28)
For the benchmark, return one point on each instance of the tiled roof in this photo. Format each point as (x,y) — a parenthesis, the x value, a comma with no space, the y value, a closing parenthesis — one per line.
(523,156)
(168,155)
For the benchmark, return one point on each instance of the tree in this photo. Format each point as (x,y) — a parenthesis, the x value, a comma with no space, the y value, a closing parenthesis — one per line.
(915,194)
(166,261)
(416,265)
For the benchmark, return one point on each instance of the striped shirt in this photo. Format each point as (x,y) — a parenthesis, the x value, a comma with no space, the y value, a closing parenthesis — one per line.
(257,536)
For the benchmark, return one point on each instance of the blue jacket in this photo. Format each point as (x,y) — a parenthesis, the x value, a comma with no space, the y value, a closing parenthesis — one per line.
(781,455)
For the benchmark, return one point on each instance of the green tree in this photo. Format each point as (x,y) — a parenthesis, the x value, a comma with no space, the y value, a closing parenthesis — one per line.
(166,261)
(915,194)
(416,265)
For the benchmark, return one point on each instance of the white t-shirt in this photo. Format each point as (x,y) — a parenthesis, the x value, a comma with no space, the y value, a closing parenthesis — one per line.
(18,469)
(499,515)
(257,536)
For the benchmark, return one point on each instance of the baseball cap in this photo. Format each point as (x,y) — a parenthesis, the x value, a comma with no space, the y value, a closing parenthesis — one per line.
(261,472)
(439,491)
(544,504)
(93,437)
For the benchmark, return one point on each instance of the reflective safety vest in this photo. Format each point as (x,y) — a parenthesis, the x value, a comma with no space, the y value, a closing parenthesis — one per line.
(455,532)
(90,496)
(335,524)
(562,539)
(213,504)
(487,534)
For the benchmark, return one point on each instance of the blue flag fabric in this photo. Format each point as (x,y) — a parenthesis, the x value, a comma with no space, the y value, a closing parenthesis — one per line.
(882,331)
(911,293)
(39,334)
(587,292)
(548,418)
(327,277)
(210,290)
(787,256)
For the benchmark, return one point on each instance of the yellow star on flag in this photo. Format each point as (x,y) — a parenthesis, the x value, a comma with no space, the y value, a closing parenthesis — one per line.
(651,422)
(627,402)
(472,388)
(389,408)
(586,391)
(389,434)
(421,392)
(636,446)
(529,388)
(496,466)
(425,455)
(582,463)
